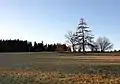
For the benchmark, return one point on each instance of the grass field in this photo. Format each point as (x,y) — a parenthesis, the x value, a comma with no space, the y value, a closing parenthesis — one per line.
(58,68)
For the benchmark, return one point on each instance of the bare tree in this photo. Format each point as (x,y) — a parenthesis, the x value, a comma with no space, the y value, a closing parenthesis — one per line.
(71,39)
(93,47)
(103,44)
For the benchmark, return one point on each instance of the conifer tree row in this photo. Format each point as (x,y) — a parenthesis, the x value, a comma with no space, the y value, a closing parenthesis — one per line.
(26,46)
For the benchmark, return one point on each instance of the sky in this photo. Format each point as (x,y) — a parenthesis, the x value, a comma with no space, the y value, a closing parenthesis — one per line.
(50,20)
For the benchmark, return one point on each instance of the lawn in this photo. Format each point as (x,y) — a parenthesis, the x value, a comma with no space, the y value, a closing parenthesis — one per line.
(58,68)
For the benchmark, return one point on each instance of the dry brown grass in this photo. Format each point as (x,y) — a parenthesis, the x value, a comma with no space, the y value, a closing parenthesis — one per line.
(38,77)
(54,68)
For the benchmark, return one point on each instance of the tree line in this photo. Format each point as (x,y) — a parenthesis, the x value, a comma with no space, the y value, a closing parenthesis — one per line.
(82,40)
(26,46)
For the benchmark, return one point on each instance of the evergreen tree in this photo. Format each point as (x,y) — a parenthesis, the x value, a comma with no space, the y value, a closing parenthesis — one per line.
(83,36)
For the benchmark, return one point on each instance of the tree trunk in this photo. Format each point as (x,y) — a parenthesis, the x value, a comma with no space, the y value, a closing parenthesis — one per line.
(83,42)
(73,47)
